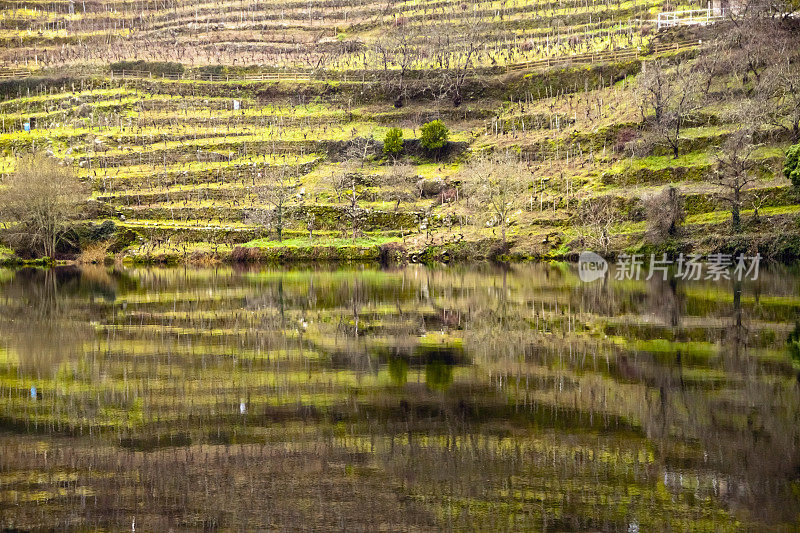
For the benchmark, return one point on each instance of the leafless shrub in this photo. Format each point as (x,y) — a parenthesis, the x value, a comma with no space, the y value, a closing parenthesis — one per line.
(495,185)
(665,214)
(624,138)
(243,254)
(398,180)
(94,253)
(594,221)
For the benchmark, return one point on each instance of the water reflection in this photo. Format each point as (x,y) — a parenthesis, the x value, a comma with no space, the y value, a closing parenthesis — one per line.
(40,323)
(472,397)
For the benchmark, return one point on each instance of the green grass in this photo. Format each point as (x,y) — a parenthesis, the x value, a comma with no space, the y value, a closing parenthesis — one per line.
(667,161)
(721,216)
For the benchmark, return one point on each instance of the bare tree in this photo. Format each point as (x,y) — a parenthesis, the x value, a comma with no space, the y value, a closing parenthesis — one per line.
(668,93)
(594,221)
(761,47)
(398,51)
(275,194)
(345,183)
(39,201)
(736,170)
(713,64)
(454,49)
(757,200)
(496,185)
(751,39)
(780,89)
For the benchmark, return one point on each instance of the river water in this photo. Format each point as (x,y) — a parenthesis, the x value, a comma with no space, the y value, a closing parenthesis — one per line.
(463,397)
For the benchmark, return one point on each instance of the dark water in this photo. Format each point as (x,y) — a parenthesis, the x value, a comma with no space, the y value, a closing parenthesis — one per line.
(469,397)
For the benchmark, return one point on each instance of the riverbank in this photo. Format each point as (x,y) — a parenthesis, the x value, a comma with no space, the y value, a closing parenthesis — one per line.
(775,238)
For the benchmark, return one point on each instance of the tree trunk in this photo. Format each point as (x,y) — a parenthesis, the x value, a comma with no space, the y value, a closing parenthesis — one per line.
(353,207)
(279,225)
(51,241)
(735,217)
(677,142)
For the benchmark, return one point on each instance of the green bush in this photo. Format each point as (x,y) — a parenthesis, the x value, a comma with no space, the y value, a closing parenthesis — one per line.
(792,166)
(216,70)
(434,135)
(393,142)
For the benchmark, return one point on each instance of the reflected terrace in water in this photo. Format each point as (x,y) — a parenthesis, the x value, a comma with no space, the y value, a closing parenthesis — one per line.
(464,397)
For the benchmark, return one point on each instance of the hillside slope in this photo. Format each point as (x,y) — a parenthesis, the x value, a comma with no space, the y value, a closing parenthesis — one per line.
(182,159)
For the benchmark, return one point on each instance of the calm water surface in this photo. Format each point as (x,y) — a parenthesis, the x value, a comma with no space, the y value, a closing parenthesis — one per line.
(468,397)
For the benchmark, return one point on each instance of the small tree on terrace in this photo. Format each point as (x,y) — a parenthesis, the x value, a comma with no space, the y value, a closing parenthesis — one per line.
(39,201)
(780,86)
(453,49)
(393,142)
(345,183)
(434,135)
(736,170)
(668,91)
(594,222)
(276,195)
(495,185)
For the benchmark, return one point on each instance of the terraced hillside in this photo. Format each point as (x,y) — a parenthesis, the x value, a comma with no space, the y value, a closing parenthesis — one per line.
(191,169)
(326,34)
(421,398)
(256,131)
(187,165)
